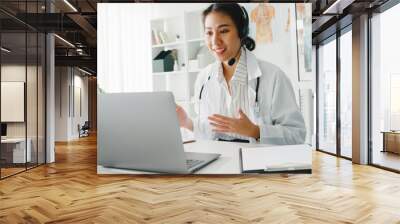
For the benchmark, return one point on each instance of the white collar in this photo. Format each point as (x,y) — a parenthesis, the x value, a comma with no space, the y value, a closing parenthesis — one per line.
(240,74)
(253,69)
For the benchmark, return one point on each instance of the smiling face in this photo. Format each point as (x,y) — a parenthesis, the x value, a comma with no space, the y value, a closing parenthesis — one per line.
(221,36)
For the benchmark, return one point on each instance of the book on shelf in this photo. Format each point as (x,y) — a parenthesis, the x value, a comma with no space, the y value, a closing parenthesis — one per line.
(163,37)
(155,37)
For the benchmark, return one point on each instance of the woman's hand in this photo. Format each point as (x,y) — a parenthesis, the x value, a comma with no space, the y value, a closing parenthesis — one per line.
(184,120)
(242,125)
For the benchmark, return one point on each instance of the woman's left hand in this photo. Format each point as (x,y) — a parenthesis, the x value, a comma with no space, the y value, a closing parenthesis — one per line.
(242,125)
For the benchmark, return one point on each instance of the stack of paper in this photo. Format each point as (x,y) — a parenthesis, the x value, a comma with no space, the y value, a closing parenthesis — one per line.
(287,158)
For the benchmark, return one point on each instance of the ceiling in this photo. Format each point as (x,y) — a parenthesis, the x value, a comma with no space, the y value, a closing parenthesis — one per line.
(76,22)
(77,25)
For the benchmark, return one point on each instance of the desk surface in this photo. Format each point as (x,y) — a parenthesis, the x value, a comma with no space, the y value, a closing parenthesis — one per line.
(227,163)
(13,140)
(390,132)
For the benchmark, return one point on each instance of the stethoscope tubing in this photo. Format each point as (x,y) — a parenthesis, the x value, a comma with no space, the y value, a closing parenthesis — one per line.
(257,86)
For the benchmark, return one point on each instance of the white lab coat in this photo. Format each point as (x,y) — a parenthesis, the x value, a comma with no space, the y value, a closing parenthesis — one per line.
(279,117)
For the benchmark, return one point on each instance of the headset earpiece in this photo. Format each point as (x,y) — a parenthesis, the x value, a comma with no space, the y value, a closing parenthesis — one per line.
(245,30)
(242,34)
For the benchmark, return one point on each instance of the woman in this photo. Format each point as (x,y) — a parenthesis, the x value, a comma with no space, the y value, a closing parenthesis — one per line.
(241,98)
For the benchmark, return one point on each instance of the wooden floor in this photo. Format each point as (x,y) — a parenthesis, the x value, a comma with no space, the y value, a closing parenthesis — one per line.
(8,171)
(5,172)
(386,159)
(70,191)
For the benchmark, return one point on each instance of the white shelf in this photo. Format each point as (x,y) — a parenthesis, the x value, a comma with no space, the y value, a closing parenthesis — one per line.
(196,40)
(168,44)
(168,73)
(189,27)
(194,70)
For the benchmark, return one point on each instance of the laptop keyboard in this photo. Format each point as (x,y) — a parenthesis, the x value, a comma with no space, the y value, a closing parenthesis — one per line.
(192,162)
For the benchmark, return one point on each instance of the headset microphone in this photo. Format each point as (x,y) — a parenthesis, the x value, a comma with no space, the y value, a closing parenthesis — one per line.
(233,60)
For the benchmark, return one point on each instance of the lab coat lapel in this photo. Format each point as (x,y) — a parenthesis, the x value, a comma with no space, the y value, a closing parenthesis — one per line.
(253,71)
(214,102)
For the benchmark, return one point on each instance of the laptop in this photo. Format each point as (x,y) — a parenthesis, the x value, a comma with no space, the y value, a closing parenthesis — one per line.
(141,131)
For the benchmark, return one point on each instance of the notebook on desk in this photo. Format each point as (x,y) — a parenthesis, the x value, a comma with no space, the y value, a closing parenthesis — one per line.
(276,159)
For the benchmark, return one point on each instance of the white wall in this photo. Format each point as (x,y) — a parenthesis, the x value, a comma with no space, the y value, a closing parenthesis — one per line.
(15,72)
(310,106)
(33,127)
(80,83)
(68,81)
(61,103)
(124,40)
(174,9)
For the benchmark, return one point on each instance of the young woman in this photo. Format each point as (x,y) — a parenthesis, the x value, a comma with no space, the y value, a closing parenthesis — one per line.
(241,98)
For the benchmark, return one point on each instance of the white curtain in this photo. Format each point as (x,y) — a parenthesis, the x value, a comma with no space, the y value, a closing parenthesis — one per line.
(124,47)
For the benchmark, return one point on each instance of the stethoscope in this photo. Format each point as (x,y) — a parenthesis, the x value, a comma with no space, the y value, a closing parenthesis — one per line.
(256,106)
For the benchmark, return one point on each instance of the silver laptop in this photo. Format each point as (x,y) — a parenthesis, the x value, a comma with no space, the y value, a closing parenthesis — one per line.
(141,131)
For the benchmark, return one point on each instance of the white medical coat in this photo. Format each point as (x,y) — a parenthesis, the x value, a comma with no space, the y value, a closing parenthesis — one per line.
(278,117)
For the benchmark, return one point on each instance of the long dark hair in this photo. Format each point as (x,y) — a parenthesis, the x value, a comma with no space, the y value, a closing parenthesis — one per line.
(239,17)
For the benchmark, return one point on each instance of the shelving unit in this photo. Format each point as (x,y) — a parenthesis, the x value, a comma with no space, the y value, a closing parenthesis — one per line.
(169,73)
(168,44)
(183,32)
(196,40)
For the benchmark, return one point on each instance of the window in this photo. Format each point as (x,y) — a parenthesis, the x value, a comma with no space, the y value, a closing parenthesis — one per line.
(385,89)
(346,94)
(394,101)
(327,97)
(22,65)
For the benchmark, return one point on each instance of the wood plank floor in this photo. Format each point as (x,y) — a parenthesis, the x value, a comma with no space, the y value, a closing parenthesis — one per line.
(70,191)
(387,159)
(10,171)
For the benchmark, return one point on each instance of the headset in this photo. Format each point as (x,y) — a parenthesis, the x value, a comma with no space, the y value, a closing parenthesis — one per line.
(245,30)
(242,34)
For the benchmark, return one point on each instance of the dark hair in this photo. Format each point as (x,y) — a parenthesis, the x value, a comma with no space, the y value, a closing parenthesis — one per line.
(239,17)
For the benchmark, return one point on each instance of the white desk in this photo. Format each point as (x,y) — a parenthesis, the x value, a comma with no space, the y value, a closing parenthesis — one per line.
(19,149)
(227,163)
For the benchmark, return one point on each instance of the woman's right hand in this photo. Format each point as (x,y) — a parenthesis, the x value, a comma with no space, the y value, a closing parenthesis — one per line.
(184,120)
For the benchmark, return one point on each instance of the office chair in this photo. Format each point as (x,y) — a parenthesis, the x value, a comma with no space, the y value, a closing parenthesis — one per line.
(84,130)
